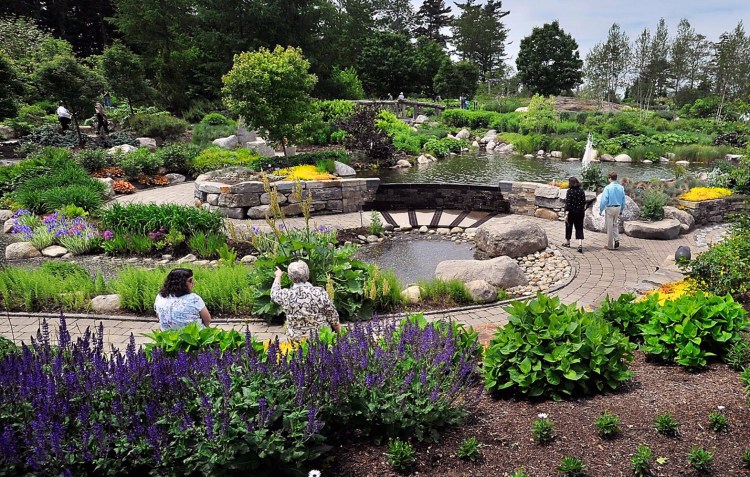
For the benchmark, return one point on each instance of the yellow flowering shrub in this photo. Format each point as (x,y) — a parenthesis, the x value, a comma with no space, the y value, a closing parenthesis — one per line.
(560,184)
(699,194)
(673,291)
(305,173)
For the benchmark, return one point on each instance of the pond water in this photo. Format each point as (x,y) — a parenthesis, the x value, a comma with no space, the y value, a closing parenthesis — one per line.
(483,168)
(413,260)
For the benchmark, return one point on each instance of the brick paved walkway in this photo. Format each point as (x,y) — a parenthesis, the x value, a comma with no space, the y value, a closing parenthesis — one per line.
(598,272)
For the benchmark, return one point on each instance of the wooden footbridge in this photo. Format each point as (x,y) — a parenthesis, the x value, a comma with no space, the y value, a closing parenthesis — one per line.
(399,106)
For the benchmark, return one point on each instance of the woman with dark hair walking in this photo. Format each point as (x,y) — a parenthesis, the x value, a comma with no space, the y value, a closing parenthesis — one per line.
(575,209)
(176,305)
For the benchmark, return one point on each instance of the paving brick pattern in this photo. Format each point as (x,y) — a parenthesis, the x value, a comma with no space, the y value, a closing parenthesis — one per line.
(598,272)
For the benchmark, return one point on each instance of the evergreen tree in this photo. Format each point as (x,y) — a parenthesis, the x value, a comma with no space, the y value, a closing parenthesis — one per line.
(479,34)
(548,60)
(731,66)
(397,16)
(607,63)
(432,17)
(123,70)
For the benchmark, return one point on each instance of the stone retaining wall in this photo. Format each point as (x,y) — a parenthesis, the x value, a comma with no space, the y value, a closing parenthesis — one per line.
(250,200)
(538,200)
(715,211)
(446,196)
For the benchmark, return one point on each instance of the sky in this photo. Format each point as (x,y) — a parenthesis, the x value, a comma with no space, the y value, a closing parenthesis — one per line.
(589,21)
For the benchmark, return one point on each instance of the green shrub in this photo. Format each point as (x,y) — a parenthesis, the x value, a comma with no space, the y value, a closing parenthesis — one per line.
(46,289)
(571,466)
(592,177)
(460,118)
(692,328)
(215,158)
(469,450)
(608,425)
(724,267)
(92,159)
(142,161)
(407,142)
(550,350)
(667,425)
(653,204)
(309,158)
(442,147)
(543,430)
(401,455)
(192,338)
(640,461)
(700,459)
(718,421)
(157,125)
(627,314)
(212,126)
(738,356)
(177,157)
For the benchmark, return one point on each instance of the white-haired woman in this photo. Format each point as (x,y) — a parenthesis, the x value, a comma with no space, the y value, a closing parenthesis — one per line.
(307,307)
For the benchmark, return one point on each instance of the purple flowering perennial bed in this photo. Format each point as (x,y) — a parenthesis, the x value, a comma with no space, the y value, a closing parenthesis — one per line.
(72,409)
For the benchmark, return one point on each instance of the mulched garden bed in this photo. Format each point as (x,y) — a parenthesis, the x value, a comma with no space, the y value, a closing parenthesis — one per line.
(504,429)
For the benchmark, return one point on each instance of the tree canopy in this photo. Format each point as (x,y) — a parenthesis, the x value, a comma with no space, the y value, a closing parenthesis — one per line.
(548,60)
(270,90)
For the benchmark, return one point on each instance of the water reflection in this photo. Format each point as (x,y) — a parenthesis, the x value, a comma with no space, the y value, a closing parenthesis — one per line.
(413,260)
(482,168)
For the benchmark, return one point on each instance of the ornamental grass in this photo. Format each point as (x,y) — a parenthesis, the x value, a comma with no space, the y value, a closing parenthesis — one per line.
(72,409)
(699,194)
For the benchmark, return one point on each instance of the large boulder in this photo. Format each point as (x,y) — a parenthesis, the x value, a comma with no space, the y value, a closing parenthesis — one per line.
(403,163)
(230,142)
(21,251)
(421,119)
(54,251)
(667,229)
(107,181)
(481,291)
(343,170)
(412,295)
(687,221)
(623,158)
(5,214)
(511,238)
(595,222)
(175,178)
(500,272)
(463,134)
(606,158)
(489,136)
(105,304)
(6,133)
(148,142)
(121,149)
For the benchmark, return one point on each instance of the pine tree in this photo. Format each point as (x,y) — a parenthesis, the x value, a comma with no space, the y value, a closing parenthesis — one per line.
(432,17)
(479,34)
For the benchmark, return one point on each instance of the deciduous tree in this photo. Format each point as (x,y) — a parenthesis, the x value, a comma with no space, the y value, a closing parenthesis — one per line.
(270,90)
(78,86)
(123,70)
(457,79)
(548,60)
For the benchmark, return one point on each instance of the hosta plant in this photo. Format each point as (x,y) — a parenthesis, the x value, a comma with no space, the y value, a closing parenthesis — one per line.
(550,350)
(627,314)
(691,329)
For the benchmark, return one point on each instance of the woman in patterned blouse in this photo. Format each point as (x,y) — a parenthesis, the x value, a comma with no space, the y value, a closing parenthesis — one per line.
(575,209)
(307,307)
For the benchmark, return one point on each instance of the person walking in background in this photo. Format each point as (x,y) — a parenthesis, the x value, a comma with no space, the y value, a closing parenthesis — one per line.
(575,209)
(612,203)
(401,97)
(107,100)
(176,305)
(63,115)
(307,307)
(101,120)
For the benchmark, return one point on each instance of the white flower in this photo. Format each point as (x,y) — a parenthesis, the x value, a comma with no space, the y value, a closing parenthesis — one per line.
(313,473)
(721,408)
(542,415)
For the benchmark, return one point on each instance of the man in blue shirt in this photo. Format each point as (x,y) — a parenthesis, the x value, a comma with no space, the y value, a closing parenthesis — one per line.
(612,203)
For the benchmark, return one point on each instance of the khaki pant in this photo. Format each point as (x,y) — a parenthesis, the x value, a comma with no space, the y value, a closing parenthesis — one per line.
(612,222)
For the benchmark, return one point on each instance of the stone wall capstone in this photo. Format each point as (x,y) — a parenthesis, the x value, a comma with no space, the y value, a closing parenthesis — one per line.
(715,211)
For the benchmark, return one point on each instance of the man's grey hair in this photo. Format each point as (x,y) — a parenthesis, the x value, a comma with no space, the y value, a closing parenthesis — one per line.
(298,272)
